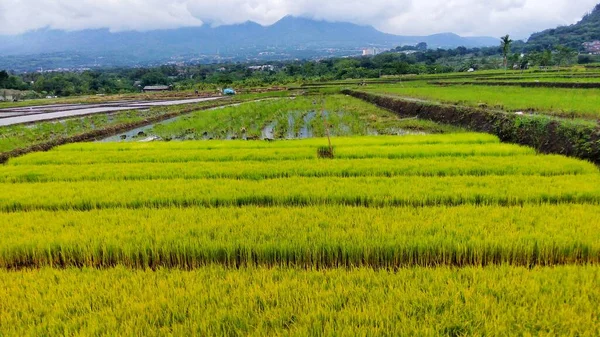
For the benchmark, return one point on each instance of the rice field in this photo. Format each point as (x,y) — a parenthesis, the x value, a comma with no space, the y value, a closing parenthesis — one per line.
(560,102)
(453,234)
(217,301)
(292,118)
(317,237)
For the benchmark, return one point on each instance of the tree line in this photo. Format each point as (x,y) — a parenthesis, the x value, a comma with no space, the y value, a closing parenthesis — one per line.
(399,61)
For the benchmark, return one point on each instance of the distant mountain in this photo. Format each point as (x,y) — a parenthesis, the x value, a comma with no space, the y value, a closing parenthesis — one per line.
(287,37)
(586,30)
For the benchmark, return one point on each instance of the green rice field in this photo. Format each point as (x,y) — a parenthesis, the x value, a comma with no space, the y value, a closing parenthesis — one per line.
(581,103)
(217,301)
(478,89)
(452,234)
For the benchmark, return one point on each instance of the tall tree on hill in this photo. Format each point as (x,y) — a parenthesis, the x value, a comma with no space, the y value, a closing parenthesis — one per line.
(506,42)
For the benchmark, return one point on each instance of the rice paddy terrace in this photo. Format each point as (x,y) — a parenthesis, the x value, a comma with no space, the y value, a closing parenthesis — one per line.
(568,93)
(448,234)
(235,224)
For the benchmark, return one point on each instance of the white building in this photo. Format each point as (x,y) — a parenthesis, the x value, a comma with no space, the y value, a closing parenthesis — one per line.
(371,51)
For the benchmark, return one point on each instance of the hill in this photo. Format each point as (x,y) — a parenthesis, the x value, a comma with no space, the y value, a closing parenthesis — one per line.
(291,37)
(586,30)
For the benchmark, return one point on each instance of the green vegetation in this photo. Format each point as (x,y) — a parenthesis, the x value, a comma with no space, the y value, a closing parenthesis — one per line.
(297,117)
(275,153)
(484,165)
(572,36)
(442,232)
(215,301)
(21,136)
(583,103)
(308,237)
(445,234)
(44,135)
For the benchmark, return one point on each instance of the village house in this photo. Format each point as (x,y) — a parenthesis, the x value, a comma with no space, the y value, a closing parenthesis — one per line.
(592,47)
(157,88)
(266,67)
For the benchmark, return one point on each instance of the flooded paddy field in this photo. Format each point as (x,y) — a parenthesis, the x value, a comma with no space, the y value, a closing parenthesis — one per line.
(285,118)
(31,114)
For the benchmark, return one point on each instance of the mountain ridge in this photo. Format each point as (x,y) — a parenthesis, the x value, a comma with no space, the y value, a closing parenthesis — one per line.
(586,30)
(288,33)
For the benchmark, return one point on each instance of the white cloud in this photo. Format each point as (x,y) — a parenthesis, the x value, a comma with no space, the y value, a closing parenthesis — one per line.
(17,16)
(416,17)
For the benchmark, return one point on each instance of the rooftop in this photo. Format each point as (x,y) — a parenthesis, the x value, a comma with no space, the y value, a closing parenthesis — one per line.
(157,87)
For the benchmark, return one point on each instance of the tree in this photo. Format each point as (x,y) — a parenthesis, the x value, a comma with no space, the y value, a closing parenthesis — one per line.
(3,78)
(506,42)
(546,58)
(513,60)
(564,55)
(462,51)
(422,46)
(154,77)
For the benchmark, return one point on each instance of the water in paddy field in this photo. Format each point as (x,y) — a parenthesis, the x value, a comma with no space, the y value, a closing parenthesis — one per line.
(136,134)
(301,119)
(268,132)
(306,130)
(403,132)
(144,133)
(291,124)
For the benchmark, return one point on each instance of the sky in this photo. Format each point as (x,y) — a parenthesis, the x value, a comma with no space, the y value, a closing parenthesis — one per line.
(493,18)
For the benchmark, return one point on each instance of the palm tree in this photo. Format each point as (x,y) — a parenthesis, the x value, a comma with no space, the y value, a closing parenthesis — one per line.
(506,42)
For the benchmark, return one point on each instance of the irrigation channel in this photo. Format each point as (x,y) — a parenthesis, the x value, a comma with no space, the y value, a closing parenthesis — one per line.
(31,114)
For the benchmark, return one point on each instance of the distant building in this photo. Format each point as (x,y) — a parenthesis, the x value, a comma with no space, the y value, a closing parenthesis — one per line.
(592,47)
(371,51)
(157,88)
(266,67)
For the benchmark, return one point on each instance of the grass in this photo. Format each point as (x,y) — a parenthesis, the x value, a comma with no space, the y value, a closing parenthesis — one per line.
(453,234)
(214,301)
(580,103)
(270,154)
(315,237)
(287,173)
(301,191)
(484,165)
(454,139)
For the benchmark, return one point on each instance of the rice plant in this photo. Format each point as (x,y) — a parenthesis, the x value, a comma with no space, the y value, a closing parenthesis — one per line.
(313,237)
(216,301)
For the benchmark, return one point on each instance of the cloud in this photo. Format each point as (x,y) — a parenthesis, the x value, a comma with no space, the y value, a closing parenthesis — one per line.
(18,16)
(415,17)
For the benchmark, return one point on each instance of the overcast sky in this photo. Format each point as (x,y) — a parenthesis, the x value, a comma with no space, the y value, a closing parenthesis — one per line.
(404,17)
